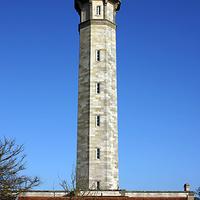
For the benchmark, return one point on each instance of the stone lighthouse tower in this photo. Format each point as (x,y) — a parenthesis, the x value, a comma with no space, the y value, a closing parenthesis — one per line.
(97,147)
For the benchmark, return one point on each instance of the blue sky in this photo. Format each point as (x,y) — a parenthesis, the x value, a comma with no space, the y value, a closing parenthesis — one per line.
(158,89)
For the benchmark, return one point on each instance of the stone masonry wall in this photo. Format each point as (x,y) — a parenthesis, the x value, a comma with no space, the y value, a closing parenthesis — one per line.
(104,104)
(83,110)
(97,33)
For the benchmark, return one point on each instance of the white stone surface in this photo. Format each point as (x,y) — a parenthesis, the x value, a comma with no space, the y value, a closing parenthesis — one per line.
(98,34)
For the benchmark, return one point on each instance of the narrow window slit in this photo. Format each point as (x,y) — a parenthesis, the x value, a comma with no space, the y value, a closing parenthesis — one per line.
(98,120)
(98,55)
(98,10)
(98,153)
(98,88)
(98,185)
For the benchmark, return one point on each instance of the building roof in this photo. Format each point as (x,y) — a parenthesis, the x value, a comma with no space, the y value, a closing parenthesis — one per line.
(109,195)
(103,198)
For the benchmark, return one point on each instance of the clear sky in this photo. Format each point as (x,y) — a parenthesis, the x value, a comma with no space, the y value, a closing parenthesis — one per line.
(158,89)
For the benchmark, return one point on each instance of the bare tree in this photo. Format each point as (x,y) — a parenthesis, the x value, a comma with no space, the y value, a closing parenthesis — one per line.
(12,164)
(74,192)
(198,194)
